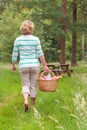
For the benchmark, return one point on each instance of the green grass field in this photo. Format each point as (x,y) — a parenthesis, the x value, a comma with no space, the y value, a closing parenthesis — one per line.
(65,109)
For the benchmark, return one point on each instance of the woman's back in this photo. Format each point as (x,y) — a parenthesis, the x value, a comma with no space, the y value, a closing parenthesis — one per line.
(29,50)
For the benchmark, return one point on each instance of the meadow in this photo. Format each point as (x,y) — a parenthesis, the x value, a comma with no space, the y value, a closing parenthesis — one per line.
(65,109)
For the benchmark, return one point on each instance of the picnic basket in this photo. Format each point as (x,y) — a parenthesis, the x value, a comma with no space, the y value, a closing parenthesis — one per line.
(47,85)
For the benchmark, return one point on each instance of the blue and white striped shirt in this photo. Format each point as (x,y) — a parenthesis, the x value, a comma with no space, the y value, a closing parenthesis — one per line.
(29,49)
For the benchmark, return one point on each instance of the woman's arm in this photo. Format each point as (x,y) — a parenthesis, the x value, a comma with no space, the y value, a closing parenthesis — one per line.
(43,61)
(14,56)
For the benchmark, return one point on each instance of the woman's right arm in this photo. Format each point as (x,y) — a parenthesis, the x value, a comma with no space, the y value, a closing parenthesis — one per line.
(40,55)
(43,61)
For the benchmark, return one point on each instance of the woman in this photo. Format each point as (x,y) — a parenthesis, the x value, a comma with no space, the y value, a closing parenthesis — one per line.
(28,47)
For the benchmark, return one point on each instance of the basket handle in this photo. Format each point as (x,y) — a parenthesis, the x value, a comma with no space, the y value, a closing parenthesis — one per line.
(42,74)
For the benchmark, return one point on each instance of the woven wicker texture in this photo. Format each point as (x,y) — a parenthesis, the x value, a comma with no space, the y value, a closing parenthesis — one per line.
(47,85)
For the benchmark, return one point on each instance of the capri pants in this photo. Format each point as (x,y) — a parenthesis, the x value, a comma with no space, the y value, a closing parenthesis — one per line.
(29,78)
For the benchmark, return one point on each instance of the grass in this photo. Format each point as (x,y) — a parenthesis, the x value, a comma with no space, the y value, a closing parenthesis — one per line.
(65,109)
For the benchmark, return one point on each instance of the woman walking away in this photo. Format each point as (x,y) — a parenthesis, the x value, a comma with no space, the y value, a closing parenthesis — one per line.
(28,48)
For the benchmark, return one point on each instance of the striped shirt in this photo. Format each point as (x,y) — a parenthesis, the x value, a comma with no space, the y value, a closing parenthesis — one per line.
(28,48)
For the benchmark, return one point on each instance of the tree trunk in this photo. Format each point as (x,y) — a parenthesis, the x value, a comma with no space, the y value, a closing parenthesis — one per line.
(63,39)
(73,49)
(73,60)
(83,46)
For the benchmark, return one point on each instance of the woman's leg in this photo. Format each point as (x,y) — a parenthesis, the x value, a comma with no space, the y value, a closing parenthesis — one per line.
(32,102)
(33,84)
(25,76)
(25,96)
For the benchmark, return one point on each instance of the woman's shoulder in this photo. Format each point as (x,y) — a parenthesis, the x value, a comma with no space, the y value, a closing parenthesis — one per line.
(31,37)
(19,38)
(34,37)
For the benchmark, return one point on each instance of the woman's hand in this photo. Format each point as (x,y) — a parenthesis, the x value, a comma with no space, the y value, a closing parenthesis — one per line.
(46,69)
(13,68)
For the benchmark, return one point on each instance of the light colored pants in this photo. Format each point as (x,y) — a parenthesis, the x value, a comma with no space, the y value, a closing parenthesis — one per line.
(29,78)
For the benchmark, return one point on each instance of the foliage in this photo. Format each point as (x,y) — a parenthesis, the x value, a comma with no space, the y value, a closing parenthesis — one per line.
(10,29)
(48,25)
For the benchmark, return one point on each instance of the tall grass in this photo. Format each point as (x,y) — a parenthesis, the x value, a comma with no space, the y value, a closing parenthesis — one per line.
(65,109)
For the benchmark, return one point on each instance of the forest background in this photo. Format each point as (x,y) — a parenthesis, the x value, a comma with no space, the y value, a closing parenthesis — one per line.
(60,24)
(62,28)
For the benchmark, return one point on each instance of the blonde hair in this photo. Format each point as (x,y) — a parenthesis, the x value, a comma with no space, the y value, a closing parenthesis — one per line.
(27,27)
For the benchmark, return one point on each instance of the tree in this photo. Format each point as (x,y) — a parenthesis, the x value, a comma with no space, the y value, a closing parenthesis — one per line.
(48,18)
(50,25)
(83,17)
(73,60)
(63,39)
(81,6)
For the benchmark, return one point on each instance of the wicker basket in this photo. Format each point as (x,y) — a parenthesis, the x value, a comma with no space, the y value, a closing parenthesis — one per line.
(47,85)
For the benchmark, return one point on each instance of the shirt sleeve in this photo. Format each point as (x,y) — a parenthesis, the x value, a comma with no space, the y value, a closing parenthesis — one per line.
(39,49)
(15,52)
